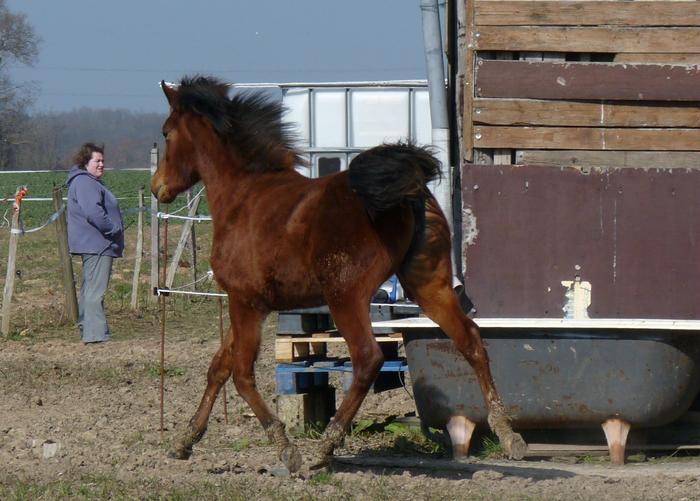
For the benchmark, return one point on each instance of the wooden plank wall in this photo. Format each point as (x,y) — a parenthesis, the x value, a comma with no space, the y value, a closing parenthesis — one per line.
(586,83)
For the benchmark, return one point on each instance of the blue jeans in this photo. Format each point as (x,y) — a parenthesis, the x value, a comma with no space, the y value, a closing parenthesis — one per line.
(91,313)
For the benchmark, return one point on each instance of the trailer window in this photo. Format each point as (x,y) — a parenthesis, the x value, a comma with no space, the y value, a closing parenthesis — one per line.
(328,165)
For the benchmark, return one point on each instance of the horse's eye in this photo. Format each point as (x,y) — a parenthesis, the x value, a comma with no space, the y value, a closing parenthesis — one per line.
(165,134)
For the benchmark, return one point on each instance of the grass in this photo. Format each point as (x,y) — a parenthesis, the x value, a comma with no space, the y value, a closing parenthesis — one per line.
(400,437)
(17,335)
(310,430)
(123,184)
(242,488)
(153,370)
(135,439)
(592,459)
(108,374)
(240,444)
(38,300)
(491,448)
(322,478)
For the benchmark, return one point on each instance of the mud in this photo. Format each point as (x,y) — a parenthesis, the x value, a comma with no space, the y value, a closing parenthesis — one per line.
(89,416)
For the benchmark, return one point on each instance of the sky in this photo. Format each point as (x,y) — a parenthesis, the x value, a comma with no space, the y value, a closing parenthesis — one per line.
(113,53)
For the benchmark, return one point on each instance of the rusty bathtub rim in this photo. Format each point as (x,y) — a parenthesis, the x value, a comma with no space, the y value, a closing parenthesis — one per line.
(653,324)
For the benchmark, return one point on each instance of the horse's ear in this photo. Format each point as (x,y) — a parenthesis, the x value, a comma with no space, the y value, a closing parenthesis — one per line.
(169,92)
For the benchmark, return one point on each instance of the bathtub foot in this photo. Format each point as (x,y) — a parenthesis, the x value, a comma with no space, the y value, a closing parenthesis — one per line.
(616,431)
(460,430)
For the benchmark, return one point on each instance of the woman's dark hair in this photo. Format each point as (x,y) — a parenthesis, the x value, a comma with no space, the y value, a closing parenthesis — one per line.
(85,152)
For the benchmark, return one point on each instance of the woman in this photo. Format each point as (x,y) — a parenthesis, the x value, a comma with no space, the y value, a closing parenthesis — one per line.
(96,232)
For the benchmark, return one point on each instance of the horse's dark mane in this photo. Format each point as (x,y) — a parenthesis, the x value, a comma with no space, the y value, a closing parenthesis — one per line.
(250,122)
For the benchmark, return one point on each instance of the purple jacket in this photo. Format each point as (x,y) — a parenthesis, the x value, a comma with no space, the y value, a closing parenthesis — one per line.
(94,222)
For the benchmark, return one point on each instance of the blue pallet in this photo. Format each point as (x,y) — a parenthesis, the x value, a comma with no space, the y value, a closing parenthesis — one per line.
(306,376)
(391,376)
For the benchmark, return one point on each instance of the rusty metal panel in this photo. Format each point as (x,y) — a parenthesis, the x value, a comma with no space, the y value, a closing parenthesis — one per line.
(632,234)
(557,80)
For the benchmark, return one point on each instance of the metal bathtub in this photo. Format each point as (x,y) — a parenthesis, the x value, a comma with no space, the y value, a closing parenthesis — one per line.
(554,373)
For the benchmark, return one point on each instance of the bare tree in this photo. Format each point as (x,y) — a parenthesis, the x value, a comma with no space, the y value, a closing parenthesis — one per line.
(18,43)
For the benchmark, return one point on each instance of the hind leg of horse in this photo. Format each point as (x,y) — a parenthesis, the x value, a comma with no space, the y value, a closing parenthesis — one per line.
(433,292)
(352,319)
(246,324)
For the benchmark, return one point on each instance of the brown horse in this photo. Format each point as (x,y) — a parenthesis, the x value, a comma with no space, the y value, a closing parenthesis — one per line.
(284,241)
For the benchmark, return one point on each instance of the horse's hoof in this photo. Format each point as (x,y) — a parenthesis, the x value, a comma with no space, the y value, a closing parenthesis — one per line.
(291,458)
(181,453)
(516,447)
(323,462)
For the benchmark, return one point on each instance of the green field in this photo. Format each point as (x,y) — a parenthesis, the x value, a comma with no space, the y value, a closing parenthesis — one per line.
(124,184)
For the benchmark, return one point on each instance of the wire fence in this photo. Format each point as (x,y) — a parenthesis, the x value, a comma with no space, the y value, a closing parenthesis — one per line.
(37,206)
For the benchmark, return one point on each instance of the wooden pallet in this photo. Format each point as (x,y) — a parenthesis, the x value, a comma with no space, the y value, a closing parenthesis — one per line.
(295,348)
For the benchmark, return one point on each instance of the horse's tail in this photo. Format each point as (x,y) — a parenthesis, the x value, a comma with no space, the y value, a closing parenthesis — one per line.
(393,175)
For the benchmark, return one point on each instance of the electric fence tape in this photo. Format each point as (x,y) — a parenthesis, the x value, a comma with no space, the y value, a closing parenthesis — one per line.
(133,210)
(51,219)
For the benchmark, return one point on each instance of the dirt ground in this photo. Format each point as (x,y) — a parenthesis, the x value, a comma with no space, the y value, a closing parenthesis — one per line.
(83,422)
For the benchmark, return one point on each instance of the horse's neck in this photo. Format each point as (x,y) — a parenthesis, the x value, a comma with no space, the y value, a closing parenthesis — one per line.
(231,184)
(223,193)
(228,185)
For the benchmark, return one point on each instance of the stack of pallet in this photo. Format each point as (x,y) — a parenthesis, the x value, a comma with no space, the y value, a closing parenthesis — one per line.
(308,349)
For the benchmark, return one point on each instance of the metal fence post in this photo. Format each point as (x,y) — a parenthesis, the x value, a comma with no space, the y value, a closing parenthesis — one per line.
(155,228)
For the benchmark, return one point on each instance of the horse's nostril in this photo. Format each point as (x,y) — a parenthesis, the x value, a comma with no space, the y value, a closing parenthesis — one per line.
(162,194)
(156,186)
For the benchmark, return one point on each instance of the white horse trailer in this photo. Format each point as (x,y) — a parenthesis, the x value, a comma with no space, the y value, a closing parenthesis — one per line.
(336,121)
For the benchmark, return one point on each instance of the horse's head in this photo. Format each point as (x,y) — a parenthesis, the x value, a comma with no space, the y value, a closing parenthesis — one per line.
(207,130)
(177,170)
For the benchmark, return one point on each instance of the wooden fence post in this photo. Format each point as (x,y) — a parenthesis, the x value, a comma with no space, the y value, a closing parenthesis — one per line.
(155,228)
(181,244)
(71,305)
(139,254)
(11,265)
(193,246)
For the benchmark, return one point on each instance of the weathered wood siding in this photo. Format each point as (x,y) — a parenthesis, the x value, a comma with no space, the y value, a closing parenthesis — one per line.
(598,102)
(584,75)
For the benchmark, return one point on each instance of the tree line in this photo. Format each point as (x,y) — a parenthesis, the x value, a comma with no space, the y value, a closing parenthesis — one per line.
(18,44)
(49,140)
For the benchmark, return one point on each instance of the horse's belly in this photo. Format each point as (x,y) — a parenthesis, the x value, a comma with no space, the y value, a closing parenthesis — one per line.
(285,292)
(275,289)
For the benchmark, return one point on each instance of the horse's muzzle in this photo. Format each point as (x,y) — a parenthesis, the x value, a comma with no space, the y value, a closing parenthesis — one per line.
(160,191)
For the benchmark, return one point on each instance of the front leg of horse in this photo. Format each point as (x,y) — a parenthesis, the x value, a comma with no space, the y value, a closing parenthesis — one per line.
(182,447)
(246,323)
(287,452)
(218,374)
(244,379)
